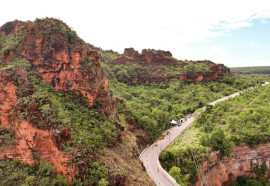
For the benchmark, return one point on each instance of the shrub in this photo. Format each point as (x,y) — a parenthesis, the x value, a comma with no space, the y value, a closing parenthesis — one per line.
(175,172)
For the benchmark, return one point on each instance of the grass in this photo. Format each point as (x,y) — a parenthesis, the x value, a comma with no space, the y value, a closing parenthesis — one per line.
(191,137)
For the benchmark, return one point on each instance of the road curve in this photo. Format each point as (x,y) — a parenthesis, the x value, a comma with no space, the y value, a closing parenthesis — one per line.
(150,155)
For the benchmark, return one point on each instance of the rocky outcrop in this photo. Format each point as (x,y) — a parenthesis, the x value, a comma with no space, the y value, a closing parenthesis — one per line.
(11,27)
(60,58)
(159,66)
(147,56)
(241,162)
(66,63)
(63,59)
(29,140)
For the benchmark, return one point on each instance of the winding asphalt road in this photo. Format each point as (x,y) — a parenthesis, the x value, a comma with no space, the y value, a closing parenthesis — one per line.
(150,155)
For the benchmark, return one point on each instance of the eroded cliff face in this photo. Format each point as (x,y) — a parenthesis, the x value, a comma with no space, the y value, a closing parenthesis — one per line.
(159,66)
(240,163)
(29,139)
(65,63)
(147,56)
(61,59)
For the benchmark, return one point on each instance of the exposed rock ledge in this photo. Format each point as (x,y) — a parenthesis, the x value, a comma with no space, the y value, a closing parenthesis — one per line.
(239,164)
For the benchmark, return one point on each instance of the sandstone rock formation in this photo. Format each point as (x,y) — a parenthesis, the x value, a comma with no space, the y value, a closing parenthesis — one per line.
(163,67)
(60,58)
(241,162)
(29,139)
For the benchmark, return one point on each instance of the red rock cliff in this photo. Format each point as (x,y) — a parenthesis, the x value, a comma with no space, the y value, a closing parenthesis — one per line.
(67,63)
(158,66)
(240,163)
(29,139)
(61,59)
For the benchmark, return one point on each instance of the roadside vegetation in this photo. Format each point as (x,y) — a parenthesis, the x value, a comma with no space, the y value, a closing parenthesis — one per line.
(153,106)
(240,120)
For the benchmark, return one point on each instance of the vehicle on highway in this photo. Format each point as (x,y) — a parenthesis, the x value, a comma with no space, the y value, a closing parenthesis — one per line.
(165,133)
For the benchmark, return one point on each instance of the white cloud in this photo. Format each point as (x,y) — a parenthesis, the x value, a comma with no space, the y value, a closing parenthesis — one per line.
(234,62)
(254,45)
(168,25)
(216,51)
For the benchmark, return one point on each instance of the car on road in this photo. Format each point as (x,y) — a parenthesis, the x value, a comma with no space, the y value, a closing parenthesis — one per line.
(156,144)
(165,133)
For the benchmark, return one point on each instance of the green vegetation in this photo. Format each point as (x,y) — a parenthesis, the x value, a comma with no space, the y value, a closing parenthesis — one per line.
(218,142)
(16,62)
(244,119)
(251,70)
(150,106)
(11,43)
(47,109)
(135,71)
(259,170)
(241,120)
(128,73)
(12,172)
(51,25)
(89,126)
(242,181)
(97,174)
(175,172)
(7,136)
(153,106)
(90,130)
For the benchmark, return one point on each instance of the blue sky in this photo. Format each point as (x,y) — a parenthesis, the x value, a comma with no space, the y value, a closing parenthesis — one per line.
(246,46)
(232,32)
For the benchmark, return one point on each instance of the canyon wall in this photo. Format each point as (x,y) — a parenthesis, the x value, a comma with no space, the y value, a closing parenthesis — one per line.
(216,172)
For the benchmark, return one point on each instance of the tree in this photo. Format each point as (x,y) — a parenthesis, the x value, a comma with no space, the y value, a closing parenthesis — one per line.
(96,173)
(253,182)
(123,76)
(219,142)
(103,182)
(175,172)
(45,168)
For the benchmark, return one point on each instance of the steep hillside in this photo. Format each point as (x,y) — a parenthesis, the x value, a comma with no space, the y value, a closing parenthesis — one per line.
(159,66)
(56,108)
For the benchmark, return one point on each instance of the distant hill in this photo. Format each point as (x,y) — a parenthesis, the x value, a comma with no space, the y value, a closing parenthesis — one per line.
(158,66)
(251,70)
